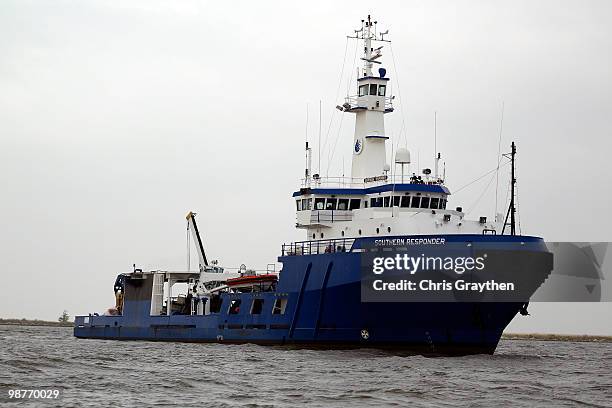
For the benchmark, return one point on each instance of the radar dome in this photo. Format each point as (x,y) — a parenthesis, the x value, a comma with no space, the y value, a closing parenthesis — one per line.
(402,156)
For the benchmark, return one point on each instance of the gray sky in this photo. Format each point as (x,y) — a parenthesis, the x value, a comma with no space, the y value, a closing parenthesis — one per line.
(117,117)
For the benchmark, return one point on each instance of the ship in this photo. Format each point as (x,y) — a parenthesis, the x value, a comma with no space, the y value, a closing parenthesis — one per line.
(317,297)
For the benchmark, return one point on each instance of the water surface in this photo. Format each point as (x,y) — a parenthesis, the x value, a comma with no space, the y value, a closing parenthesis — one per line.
(522,373)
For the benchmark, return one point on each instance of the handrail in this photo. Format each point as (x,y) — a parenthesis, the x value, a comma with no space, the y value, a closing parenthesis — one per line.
(353,101)
(355,182)
(318,247)
(318,216)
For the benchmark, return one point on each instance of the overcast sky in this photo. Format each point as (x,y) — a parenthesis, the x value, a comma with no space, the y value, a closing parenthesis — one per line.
(118,117)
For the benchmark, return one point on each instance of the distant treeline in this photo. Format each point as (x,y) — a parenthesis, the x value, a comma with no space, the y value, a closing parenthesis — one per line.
(26,322)
(557,337)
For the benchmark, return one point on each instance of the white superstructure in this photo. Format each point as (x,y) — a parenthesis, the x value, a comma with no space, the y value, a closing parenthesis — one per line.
(372,202)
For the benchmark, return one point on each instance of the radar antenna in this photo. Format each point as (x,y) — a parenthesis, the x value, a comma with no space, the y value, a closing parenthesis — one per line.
(368,33)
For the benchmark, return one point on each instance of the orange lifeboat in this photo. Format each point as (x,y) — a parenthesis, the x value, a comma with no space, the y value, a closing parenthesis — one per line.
(253,282)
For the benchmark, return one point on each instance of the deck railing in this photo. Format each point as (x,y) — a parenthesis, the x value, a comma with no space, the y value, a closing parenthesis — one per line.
(319,216)
(318,247)
(357,102)
(352,182)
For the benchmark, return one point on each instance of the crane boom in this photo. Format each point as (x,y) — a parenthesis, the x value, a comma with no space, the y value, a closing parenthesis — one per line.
(191,225)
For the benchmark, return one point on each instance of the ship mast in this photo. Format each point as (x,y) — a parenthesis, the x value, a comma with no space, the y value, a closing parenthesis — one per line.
(511,208)
(369,105)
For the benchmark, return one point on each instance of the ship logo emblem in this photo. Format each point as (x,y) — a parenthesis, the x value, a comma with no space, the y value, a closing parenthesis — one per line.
(365,334)
(358,146)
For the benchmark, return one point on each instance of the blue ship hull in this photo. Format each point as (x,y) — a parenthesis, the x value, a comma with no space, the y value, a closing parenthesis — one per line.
(324,309)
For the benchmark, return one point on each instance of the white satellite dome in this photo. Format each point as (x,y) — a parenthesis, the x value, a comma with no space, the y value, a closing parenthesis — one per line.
(402,156)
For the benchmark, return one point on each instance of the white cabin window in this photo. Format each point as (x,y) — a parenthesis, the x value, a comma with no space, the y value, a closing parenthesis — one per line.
(343,204)
(307,204)
(434,203)
(405,202)
(298,205)
(424,202)
(416,201)
(363,90)
(372,89)
(331,204)
(319,203)
(381,90)
(396,201)
(387,201)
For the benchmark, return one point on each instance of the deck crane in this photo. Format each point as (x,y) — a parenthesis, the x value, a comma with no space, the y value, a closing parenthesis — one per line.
(191,225)
(212,277)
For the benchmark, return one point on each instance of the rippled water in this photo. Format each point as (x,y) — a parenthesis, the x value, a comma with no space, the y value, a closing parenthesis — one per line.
(136,373)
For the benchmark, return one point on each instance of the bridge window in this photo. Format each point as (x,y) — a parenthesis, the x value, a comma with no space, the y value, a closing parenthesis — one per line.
(443,204)
(319,203)
(387,201)
(343,204)
(434,203)
(257,306)
(372,89)
(235,306)
(381,90)
(298,204)
(405,202)
(280,304)
(355,202)
(331,204)
(415,202)
(376,202)
(396,201)
(363,90)
(424,202)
